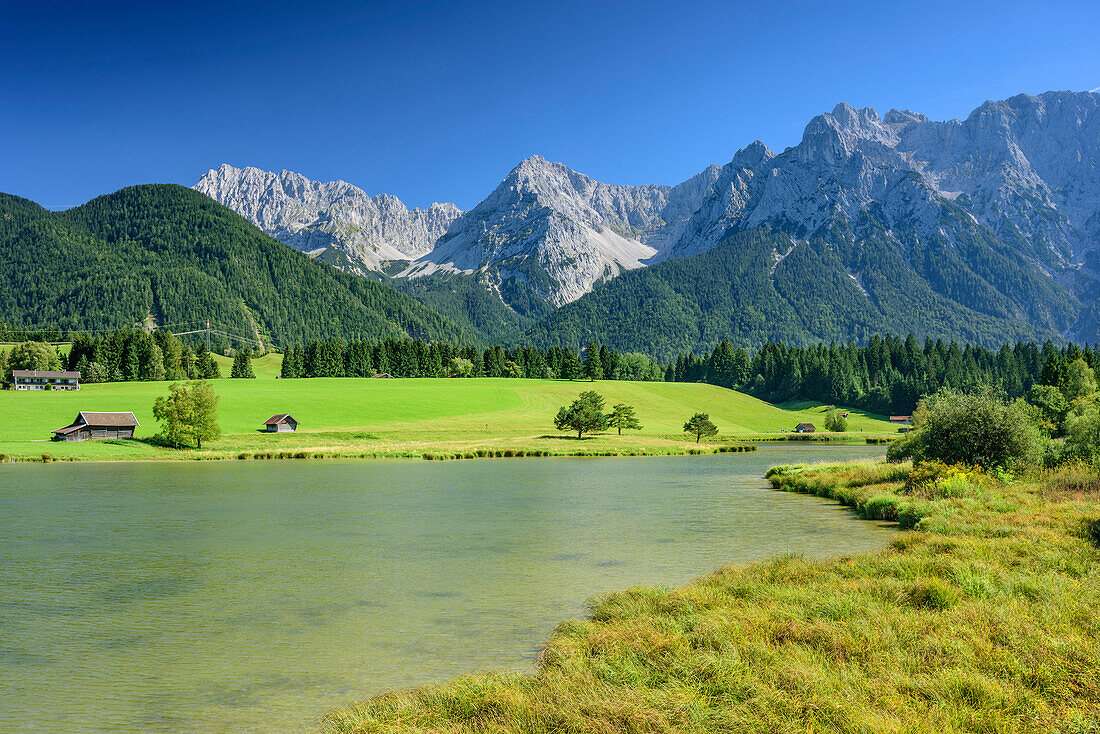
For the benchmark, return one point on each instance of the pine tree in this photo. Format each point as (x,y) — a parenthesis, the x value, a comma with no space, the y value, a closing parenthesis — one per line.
(699,425)
(622,416)
(242,365)
(570,365)
(593,368)
(206,368)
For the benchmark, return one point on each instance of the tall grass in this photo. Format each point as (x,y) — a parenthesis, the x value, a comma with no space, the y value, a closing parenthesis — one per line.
(981,616)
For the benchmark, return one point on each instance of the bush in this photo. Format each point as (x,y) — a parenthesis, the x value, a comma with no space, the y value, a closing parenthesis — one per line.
(836,422)
(934,479)
(47,458)
(972,429)
(1083,435)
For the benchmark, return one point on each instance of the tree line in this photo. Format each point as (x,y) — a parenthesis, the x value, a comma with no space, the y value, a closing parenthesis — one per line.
(126,355)
(417,358)
(887,375)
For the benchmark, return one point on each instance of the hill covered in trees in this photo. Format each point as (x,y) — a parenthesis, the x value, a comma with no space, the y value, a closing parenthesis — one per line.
(756,288)
(167,254)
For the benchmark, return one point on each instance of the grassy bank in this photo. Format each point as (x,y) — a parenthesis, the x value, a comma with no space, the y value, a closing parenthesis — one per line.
(981,616)
(405,418)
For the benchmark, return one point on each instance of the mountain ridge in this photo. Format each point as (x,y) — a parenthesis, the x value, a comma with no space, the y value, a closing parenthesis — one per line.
(999,212)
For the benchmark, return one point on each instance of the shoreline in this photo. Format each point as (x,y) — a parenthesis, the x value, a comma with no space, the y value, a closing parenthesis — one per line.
(602,446)
(975,568)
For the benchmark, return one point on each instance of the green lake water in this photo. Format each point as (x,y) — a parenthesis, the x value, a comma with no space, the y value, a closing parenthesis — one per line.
(253,596)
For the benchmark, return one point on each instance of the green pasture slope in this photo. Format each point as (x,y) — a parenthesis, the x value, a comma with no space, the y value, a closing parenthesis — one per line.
(401,416)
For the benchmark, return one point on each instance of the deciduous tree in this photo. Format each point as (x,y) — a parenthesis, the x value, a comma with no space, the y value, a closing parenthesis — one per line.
(33,356)
(189,413)
(585,415)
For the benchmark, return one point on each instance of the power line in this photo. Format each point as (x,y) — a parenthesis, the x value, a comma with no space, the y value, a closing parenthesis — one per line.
(207,329)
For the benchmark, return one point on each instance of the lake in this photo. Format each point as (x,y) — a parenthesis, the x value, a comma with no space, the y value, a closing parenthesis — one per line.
(254,596)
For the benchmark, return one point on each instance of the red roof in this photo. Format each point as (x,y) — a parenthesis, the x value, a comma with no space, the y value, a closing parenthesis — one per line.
(46,374)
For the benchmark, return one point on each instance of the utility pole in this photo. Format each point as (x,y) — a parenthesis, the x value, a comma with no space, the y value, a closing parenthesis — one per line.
(208,335)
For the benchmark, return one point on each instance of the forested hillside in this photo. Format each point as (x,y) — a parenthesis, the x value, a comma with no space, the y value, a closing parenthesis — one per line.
(169,254)
(757,288)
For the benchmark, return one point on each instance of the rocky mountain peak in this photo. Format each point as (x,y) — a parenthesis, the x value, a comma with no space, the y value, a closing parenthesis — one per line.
(752,156)
(1023,173)
(313,216)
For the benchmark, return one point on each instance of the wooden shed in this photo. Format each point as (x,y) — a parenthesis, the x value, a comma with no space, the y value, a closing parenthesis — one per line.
(805,428)
(98,425)
(281,423)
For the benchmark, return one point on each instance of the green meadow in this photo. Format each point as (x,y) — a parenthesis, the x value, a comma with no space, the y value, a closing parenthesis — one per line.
(406,417)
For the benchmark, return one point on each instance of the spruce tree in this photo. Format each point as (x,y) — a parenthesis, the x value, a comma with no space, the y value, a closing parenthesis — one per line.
(593,368)
(570,365)
(242,365)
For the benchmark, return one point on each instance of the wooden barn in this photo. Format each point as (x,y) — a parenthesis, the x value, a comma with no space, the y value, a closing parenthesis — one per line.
(805,428)
(98,425)
(281,423)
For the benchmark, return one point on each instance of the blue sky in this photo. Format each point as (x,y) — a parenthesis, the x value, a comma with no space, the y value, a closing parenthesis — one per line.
(436,101)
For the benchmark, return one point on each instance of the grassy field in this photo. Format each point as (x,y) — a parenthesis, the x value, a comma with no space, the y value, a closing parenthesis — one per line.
(404,417)
(980,618)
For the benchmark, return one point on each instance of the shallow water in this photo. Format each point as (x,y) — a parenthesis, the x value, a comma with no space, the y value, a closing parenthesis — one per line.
(253,596)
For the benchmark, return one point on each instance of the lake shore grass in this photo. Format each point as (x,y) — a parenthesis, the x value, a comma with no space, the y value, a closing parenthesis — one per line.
(410,418)
(981,615)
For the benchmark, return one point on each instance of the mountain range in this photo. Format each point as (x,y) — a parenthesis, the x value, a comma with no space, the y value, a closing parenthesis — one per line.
(987,228)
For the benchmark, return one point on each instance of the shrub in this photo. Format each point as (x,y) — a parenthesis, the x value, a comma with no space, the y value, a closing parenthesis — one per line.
(836,422)
(976,428)
(936,479)
(243,455)
(1083,435)
(47,458)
